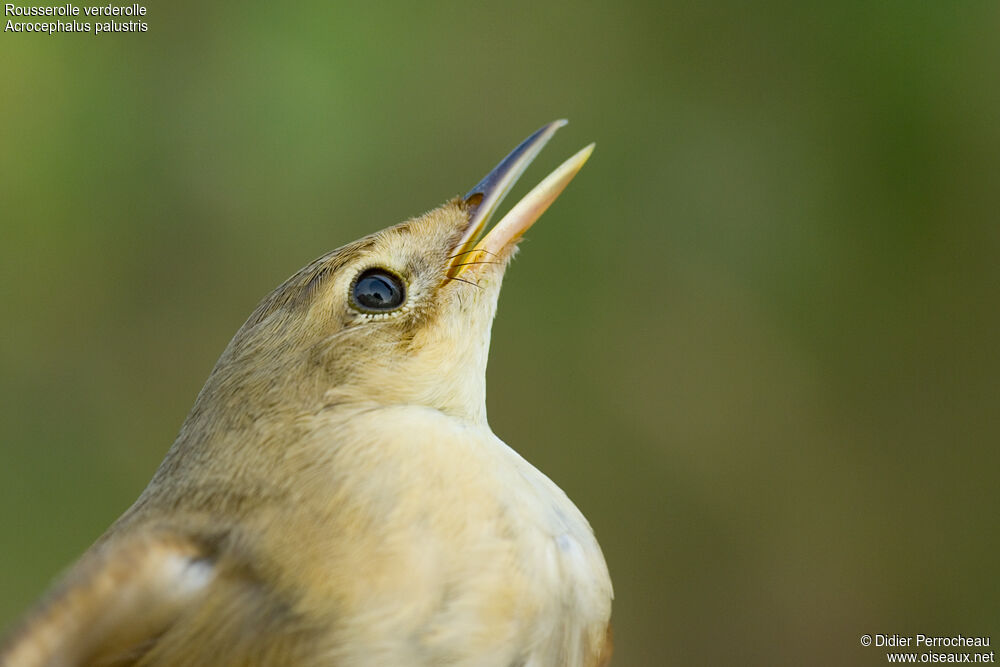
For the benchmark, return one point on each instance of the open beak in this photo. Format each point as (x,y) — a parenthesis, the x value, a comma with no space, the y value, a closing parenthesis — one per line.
(490,191)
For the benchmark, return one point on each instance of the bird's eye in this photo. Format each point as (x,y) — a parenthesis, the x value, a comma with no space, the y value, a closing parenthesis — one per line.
(377,291)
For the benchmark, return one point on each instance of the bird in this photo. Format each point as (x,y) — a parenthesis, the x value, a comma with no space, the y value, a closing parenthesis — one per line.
(336,495)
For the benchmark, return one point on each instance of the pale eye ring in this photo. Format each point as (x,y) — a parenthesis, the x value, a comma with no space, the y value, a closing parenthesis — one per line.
(377,290)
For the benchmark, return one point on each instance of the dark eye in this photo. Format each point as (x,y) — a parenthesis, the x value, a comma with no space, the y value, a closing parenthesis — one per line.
(377,291)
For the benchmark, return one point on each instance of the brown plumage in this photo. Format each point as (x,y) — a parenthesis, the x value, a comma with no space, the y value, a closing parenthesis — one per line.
(336,496)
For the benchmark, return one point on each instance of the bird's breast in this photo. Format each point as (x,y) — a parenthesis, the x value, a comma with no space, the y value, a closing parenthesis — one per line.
(449,538)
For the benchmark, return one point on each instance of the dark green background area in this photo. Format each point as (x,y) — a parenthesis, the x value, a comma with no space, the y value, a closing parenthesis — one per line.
(755,340)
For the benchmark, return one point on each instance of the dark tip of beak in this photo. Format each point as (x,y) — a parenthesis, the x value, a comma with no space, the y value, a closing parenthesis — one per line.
(485,198)
(509,163)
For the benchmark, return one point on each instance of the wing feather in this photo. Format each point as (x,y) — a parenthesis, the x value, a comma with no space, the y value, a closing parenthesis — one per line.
(120,596)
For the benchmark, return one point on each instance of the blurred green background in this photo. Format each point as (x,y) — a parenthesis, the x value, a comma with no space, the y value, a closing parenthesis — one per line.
(755,340)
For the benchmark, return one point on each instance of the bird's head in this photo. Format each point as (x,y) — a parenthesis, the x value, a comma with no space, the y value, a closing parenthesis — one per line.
(401,316)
